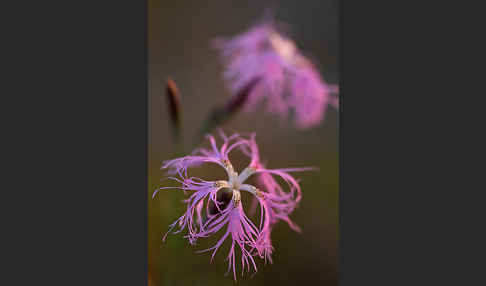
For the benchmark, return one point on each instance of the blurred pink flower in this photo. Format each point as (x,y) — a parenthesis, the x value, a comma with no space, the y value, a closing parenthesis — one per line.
(288,80)
(251,239)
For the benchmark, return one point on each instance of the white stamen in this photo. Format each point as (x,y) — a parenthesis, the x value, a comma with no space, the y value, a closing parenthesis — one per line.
(249,188)
(247,172)
(236,198)
(232,175)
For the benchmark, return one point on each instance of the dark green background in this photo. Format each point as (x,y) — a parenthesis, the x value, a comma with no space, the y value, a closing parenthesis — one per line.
(179,34)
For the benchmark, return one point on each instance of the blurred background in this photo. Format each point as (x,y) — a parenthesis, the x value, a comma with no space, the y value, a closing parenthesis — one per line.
(179,35)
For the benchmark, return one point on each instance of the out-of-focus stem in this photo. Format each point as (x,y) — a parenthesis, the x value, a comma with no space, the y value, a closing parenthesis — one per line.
(173,100)
(223,113)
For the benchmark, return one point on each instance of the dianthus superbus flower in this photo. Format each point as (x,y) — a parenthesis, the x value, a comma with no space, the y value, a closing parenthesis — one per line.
(289,82)
(249,238)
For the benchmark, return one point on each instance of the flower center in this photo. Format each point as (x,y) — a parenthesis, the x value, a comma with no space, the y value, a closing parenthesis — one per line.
(236,183)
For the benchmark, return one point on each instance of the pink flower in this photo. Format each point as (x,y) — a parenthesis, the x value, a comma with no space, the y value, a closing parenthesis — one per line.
(288,80)
(247,237)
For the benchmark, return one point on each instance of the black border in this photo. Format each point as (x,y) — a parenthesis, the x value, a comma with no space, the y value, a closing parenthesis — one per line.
(396,221)
(80,142)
